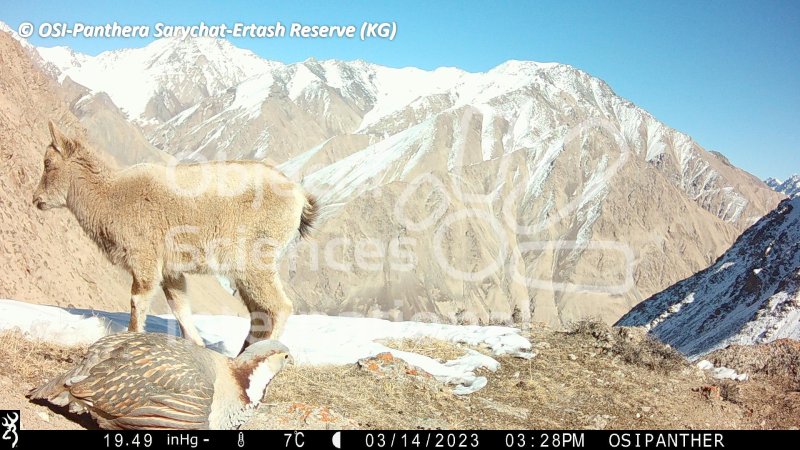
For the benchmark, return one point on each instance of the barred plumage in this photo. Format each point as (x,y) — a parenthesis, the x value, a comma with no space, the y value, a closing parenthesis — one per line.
(156,381)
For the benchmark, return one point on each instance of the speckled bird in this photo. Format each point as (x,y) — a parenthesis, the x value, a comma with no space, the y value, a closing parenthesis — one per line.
(155,381)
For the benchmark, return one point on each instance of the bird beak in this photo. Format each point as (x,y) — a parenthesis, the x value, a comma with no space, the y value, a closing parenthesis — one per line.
(289,360)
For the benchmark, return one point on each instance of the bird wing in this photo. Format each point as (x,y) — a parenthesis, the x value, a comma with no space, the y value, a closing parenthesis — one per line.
(56,390)
(150,383)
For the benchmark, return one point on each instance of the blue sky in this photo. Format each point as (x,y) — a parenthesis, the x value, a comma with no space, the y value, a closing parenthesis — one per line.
(725,72)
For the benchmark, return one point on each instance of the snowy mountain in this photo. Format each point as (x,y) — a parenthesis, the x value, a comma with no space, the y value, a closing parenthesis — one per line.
(530,191)
(48,258)
(154,83)
(205,97)
(790,187)
(751,294)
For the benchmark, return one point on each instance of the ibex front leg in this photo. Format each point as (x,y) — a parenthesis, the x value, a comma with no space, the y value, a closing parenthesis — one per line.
(142,291)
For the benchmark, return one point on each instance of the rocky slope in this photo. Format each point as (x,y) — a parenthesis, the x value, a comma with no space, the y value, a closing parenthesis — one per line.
(531,191)
(44,256)
(107,127)
(750,295)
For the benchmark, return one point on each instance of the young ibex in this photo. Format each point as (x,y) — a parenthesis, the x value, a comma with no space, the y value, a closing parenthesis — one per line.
(159,222)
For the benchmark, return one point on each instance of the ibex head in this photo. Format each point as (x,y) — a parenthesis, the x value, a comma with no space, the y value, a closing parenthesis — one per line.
(58,172)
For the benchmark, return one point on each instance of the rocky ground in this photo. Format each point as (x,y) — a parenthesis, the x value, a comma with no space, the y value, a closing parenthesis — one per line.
(591,377)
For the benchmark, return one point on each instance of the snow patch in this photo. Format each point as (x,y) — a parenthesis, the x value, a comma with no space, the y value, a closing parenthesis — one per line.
(721,373)
(52,324)
(312,339)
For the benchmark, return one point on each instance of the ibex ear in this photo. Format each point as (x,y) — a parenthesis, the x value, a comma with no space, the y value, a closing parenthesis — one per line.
(61,143)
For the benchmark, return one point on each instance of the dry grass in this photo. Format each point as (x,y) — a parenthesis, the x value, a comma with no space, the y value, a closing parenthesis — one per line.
(432,348)
(634,346)
(583,379)
(368,399)
(575,381)
(28,364)
(651,354)
(35,361)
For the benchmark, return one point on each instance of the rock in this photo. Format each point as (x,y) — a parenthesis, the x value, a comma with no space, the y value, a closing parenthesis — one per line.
(386,365)
(711,392)
(572,357)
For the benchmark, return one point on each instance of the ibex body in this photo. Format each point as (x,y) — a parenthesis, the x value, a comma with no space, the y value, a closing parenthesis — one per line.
(161,222)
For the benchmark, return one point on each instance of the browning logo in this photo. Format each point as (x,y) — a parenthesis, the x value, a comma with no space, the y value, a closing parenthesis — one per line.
(10,421)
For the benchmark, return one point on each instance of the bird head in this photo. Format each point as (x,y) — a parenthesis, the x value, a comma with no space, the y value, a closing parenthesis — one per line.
(258,364)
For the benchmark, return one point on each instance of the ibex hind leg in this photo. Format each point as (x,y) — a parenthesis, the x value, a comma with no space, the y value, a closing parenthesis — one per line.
(267,303)
(283,308)
(175,291)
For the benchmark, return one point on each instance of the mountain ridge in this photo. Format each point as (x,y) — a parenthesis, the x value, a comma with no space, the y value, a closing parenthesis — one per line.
(790,187)
(566,173)
(750,295)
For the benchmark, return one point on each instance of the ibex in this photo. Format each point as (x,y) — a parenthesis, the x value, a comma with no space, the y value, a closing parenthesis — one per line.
(160,222)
